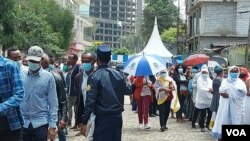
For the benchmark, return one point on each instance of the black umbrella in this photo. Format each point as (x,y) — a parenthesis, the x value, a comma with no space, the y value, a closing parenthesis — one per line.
(219,59)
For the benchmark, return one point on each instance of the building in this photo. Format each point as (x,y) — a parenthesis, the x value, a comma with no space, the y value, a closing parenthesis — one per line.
(213,23)
(78,43)
(114,19)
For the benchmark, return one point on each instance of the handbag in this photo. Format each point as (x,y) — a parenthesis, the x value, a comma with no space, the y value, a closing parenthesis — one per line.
(145,90)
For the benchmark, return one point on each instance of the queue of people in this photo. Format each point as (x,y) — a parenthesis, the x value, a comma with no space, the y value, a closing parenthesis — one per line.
(37,100)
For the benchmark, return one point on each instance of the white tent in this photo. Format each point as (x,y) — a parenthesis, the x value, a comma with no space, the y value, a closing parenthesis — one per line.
(155,45)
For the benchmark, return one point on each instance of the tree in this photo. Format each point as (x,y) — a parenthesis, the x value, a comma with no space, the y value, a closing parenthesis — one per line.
(36,22)
(8,22)
(121,51)
(134,43)
(166,13)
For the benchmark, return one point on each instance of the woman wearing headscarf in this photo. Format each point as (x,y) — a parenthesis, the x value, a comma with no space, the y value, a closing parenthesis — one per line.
(244,75)
(231,109)
(164,86)
(204,97)
(218,70)
(182,90)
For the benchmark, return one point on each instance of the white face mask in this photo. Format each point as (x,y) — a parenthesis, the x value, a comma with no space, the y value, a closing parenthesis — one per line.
(180,70)
(204,75)
(164,75)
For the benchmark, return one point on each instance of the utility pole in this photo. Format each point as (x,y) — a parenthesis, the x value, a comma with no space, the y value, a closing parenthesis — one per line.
(178,26)
(247,47)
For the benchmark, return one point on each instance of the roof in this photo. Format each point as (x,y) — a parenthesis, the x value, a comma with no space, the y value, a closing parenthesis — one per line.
(155,44)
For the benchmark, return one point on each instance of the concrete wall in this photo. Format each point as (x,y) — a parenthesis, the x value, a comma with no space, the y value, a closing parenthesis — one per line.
(206,41)
(242,19)
(218,18)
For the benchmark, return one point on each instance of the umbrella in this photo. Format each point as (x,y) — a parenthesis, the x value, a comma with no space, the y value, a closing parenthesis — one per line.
(219,59)
(196,59)
(212,64)
(145,64)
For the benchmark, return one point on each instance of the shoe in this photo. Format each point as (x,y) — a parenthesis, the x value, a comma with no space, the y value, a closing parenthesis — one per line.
(152,115)
(162,129)
(208,128)
(193,126)
(166,127)
(78,134)
(74,127)
(147,126)
(203,130)
(141,126)
(179,120)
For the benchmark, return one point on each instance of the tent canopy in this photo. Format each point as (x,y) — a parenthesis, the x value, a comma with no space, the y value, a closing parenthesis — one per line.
(155,44)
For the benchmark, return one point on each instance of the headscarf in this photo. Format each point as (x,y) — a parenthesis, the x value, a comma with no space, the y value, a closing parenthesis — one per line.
(218,69)
(204,68)
(242,69)
(229,78)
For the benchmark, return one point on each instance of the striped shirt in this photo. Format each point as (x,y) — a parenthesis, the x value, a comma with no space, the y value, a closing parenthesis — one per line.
(40,104)
(11,92)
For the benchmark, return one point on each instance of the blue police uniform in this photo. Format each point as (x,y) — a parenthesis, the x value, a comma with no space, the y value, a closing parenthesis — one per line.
(106,88)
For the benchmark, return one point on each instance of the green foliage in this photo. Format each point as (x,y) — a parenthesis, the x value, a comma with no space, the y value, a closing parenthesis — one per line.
(166,13)
(134,43)
(169,35)
(38,22)
(7,22)
(121,51)
(90,49)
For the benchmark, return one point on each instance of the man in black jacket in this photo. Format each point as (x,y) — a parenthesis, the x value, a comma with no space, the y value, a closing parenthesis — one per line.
(106,88)
(62,100)
(70,81)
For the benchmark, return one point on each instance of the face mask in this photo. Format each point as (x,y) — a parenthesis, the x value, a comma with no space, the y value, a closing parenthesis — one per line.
(33,66)
(86,66)
(234,75)
(180,70)
(242,75)
(51,67)
(204,75)
(163,75)
(19,64)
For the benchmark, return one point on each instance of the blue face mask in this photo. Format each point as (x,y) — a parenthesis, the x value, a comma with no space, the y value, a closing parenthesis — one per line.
(86,66)
(33,66)
(234,75)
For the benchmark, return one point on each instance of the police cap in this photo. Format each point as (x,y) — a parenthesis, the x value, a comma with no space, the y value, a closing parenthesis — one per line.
(103,51)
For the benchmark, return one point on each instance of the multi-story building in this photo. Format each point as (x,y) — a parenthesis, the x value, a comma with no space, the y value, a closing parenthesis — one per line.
(114,19)
(217,23)
(79,43)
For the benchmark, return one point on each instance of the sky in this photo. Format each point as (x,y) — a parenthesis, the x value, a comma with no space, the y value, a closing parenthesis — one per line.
(182,8)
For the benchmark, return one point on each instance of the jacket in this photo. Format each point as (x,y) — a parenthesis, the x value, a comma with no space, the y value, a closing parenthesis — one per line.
(71,91)
(105,93)
(79,103)
(61,96)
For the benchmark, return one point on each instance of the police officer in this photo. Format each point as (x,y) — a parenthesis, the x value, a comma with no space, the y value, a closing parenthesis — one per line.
(105,98)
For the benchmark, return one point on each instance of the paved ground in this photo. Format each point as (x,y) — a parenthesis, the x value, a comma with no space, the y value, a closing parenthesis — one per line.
(131,131)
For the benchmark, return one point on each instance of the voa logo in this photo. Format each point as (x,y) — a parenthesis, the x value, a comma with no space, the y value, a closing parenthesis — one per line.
(236,132)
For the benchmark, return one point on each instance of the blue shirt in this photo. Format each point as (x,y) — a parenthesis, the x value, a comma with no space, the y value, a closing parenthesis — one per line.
(11,92)
(40,104)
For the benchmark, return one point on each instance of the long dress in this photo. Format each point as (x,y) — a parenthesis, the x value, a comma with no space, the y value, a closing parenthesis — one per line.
(216,95)
(231,110)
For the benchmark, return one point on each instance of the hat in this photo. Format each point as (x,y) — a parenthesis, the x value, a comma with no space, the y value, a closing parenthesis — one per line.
(103,51)
(35,53)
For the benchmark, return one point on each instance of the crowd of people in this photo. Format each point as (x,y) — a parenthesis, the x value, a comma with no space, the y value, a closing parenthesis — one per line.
(205,99)
(38,98)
